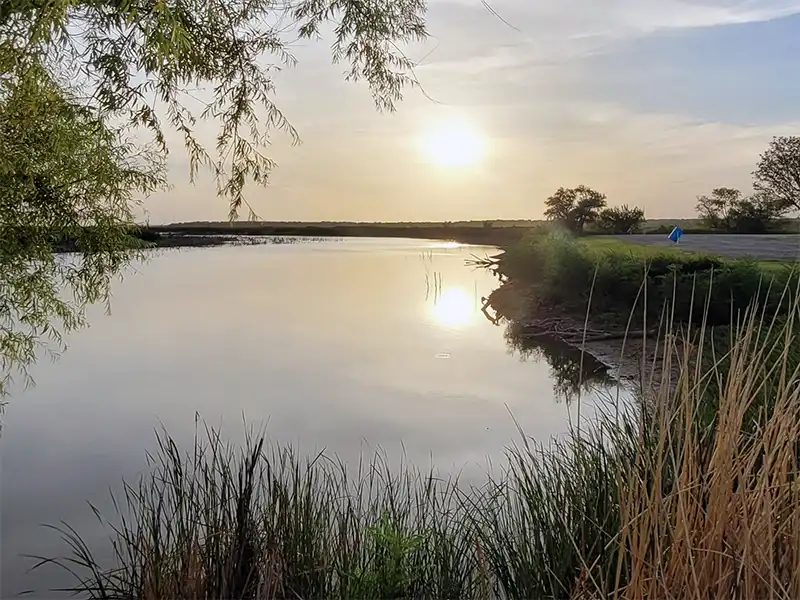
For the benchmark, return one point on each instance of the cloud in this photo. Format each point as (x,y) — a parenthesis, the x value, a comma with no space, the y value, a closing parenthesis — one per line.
(585,17)
(550,32)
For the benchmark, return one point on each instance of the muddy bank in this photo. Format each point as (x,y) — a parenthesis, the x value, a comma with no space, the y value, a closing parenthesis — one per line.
(629,354)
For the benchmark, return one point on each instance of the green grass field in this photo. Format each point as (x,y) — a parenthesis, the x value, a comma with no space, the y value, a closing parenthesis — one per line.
(603,245)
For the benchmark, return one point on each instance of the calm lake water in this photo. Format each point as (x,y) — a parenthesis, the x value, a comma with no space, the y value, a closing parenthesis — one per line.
(342,345)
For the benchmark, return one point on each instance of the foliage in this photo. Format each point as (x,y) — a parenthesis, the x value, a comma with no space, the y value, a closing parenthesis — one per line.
(756,214)
(64,174)
(727,210)
(626,506)
(140,61)
(715,210)
(575,207)
(778,172)
(621,219)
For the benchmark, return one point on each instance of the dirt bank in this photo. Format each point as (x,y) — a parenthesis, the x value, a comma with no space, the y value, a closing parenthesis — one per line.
(630,354)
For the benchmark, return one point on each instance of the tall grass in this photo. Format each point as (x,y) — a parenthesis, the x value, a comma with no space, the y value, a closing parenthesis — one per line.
(714,511)
(653,503)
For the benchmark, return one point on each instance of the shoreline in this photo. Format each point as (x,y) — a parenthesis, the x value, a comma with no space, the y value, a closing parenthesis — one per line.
(629,352)
(189,235)
(610,347)
(242,234)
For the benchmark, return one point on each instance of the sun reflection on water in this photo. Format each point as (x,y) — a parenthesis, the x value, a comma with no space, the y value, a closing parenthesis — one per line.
(453,308)
(444,245)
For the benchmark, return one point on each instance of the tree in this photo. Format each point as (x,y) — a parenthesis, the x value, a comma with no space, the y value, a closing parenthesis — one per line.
(64,176)
(715,210)
(778,172)
(755,214)
(132,56)
(82,80)
(575,207)
(621,219)
(727,210)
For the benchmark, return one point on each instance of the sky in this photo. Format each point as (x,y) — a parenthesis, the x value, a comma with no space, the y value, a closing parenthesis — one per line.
(652,102)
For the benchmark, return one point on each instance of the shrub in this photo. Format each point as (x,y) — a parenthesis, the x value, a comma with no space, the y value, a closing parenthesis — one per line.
(621,219)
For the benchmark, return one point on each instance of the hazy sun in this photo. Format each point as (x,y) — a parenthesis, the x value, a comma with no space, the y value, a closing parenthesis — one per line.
(453,144)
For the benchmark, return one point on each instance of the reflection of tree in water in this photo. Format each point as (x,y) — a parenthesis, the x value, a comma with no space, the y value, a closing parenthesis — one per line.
(572,374)
(570,377)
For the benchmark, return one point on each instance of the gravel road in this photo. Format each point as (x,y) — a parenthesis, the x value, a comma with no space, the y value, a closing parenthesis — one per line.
(762,247)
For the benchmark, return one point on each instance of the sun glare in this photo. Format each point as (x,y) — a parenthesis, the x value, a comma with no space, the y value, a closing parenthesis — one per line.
(453,144)
(453,308)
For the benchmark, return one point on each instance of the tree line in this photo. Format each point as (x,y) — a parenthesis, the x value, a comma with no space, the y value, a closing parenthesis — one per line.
(776,194)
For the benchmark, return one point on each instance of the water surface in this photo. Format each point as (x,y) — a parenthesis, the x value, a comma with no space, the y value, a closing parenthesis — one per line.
(341,345)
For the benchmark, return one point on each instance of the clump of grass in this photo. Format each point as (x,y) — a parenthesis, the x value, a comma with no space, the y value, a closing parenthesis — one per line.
(264,523)
(651,503)
(552,518)
(713,510)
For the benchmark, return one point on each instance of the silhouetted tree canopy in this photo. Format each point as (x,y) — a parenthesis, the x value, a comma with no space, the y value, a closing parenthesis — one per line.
(727,210)
(621,219)
(778,172)
(575,207)
(715,210)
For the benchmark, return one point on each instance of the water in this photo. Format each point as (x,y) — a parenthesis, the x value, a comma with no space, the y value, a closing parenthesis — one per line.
(344,345)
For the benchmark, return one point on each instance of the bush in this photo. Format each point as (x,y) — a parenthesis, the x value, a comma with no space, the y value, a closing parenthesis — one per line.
(621,219)
(726,210)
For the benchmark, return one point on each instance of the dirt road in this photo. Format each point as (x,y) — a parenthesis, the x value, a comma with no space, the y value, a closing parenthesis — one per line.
(761,247)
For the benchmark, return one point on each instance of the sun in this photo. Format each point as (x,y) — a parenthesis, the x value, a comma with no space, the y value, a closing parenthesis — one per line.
(453,144)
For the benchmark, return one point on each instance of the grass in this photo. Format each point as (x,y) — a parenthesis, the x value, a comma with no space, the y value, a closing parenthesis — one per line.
(558,271)
(653,503)
(602,245)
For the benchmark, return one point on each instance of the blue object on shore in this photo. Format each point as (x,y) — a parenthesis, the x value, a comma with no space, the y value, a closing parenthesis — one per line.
(676,234)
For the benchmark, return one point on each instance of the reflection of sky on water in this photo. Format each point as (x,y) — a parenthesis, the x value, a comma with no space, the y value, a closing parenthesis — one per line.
(336,346)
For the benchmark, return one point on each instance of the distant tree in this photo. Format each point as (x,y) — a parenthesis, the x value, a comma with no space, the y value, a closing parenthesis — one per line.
(727,210)
(756,213)
(714,210)
(778,172)
(621,219)
(575,207)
